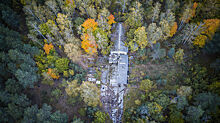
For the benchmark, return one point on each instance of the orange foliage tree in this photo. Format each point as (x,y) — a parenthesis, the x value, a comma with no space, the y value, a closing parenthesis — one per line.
(190,13)
(173,29)
(89,44)
(52,74)
(90,24)
(111,19)
(47,48)
(194,9)
(211,26)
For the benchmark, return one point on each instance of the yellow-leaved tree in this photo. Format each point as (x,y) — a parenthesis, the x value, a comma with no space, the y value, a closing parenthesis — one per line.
(90,94)
(210,27)
(72,88)
(146,85)
(200,41)
(178,56)
(140,37)
(70,3)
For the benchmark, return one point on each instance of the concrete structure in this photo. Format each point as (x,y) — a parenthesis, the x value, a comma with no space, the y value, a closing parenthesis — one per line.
(114,79)
(118,59)
(119,69)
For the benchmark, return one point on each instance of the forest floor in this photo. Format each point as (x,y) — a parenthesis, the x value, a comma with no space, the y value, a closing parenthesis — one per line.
(160,70)
(41,94)
(154,70)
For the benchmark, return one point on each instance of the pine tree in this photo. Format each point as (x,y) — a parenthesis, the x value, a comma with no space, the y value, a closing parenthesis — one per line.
(44,114)
(11,18)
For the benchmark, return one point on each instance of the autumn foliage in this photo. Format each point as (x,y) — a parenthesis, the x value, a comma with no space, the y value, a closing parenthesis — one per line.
(200,41)
(194,9)
(191,12)
(52,74)
(111,19)
(69,1)
(47,48)
(90,24)
(89,45)
(173,29)
(211,26)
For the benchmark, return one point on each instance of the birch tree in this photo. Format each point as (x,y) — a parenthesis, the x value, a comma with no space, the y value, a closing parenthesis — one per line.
(140,37)
(154,33)
(90,94)
(155,12)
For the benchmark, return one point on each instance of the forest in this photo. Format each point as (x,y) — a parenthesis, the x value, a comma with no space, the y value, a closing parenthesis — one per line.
(52,54)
